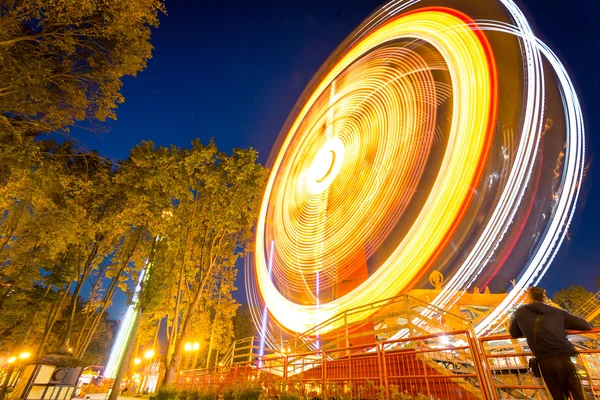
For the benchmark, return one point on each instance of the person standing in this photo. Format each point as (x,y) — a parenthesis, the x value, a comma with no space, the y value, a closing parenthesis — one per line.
(545,328)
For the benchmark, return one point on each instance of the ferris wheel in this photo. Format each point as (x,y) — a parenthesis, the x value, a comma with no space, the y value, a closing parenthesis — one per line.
(440,136)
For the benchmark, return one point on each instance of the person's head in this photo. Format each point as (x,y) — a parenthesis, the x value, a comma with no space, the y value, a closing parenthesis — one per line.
(536,295)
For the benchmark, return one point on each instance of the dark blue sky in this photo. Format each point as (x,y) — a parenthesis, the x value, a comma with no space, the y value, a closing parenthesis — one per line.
(233,70)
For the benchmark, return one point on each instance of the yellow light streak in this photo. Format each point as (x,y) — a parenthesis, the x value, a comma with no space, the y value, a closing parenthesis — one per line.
(352,159)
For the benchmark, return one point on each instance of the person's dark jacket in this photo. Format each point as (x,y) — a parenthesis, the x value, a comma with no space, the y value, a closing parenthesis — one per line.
(552,336)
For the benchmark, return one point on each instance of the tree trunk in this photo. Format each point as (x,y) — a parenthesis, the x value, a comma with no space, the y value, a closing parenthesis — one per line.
(110,294)
(172,366)
(175,325)
(91,316)
(156,335)
(52,316)
(212,334)
(64,346)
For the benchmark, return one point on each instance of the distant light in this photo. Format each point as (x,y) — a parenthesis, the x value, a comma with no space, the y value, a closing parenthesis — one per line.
(12,359)
(196,346)
(149,354)
(137,361)
(187,347)
(24,355)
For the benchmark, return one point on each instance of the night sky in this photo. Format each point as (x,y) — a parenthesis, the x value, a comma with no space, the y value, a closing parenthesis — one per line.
(233,70)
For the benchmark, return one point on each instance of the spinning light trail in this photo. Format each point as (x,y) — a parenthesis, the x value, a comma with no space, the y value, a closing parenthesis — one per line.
(416,148)
(118,350)
(264,320)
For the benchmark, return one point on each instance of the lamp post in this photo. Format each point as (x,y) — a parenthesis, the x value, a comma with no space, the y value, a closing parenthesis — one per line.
(148,355)
(190,348)
(12,364)
(195,348)
(134,373)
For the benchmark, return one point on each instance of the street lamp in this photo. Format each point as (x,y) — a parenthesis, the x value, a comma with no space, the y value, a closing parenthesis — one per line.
(190,347)
(9,371)
(137,361)
(148,355)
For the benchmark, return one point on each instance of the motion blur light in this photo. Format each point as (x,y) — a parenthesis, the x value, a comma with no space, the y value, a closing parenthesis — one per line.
(399,149)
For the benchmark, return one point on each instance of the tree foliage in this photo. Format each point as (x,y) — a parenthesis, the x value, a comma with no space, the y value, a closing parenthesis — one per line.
(572,298)
(75,228)
(243,326)
(63,61)
(214,199)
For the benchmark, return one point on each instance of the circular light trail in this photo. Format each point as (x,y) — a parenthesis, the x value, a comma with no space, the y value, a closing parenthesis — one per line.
(416,149)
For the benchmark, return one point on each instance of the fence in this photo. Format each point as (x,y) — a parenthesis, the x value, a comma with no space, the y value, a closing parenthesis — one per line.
(447,365)
(443,365)
(507,361)
(404,315)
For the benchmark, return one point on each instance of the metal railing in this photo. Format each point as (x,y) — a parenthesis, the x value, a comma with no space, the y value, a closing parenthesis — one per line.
(590,309)
(400,316)
(506,362)
(446,365)
(241,351)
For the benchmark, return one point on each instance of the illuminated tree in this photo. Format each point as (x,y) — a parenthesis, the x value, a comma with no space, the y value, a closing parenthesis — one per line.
(572,298)
(216,204)
(63,61)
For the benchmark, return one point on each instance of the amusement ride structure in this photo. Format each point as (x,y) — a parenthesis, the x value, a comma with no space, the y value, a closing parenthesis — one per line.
(427,176)
(442,137)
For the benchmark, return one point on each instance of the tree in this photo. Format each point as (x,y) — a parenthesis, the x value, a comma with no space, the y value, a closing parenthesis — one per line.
(572,298)
(216,201)
(223,307)
(99,348)
(63,61)
(71,223)
(243,325)
(74,220)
